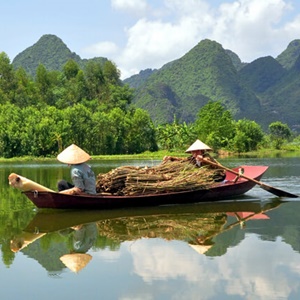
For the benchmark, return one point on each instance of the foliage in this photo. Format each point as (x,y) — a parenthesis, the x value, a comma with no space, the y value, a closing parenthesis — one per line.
(87,104)
(92,108)
(248,135)
(175,136)
(279,133)
(215,125)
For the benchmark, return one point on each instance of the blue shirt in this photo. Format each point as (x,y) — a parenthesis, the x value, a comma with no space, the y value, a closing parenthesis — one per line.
(83,177)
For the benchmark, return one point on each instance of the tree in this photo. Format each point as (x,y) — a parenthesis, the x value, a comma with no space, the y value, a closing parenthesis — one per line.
(248,135)
(70,69)
(174,136)
(7,79)
(95,81)
(214,125)
(141,134)
(279,133)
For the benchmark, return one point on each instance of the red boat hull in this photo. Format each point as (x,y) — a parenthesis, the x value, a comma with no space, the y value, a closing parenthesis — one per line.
(219,191)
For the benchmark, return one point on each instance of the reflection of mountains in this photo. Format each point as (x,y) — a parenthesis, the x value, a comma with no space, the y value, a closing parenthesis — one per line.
(200,225)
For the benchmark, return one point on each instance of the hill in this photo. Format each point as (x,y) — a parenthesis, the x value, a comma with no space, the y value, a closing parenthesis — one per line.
(264,90)
(49,51)
(204,73)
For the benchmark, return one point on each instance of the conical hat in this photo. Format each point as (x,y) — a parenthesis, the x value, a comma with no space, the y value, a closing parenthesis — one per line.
(198,145)
(73,155)
(76,261)
(201,248)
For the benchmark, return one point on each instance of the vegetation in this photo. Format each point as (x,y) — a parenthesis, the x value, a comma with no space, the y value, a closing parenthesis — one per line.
(265,90)
(88,104)
(40,116)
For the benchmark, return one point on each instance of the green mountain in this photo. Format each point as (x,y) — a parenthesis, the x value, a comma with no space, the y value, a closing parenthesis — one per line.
(289,56)
(265,90)
(49,51)
(281,101)
(182,87)
(262,74)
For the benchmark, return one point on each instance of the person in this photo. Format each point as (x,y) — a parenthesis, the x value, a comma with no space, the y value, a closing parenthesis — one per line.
(198,151)
(83,177)
(199,155)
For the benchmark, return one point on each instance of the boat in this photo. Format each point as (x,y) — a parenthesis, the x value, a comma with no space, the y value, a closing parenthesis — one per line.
(232,186)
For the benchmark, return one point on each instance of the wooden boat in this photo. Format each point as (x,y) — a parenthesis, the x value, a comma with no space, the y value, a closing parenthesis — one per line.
(227,189)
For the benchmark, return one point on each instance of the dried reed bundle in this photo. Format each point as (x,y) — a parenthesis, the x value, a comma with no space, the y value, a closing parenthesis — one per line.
(167,177)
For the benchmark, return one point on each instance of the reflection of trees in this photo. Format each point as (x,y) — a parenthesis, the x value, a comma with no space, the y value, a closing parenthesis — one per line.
(13,217)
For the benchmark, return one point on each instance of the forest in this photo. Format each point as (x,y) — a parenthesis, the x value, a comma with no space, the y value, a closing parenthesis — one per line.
(91,107)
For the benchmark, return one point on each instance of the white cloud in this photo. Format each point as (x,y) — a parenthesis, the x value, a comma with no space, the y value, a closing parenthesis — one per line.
(242,271)
(250,28)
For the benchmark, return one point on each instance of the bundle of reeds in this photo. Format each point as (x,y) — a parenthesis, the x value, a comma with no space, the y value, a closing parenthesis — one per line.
(166,177)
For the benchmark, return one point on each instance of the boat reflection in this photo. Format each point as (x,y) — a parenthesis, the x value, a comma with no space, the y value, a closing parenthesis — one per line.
(67,236)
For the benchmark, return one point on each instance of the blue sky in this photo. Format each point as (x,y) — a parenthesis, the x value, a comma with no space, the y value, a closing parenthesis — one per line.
(140,34)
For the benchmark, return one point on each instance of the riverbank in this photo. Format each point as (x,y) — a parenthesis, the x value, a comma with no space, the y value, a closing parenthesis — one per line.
(160,155)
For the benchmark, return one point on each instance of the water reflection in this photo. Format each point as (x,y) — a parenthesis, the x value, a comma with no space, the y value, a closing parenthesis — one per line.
(60,239)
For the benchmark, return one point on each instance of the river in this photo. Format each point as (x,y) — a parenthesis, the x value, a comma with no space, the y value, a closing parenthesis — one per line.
(247,248)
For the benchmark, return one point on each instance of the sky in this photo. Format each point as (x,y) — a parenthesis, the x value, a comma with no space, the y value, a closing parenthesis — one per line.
(141,34)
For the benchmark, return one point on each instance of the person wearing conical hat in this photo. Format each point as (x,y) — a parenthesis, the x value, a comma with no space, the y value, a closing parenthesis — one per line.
(83,177)
(198,150)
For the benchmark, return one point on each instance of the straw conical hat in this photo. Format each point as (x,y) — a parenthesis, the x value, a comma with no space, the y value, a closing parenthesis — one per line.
(73,155)
(201,248)
(198,145)
(20,242)
(76,261)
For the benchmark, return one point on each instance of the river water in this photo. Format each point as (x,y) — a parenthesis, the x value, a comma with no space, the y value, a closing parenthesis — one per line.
(247,248)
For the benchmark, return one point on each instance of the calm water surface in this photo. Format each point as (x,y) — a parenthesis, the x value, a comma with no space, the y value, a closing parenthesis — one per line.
(247,248)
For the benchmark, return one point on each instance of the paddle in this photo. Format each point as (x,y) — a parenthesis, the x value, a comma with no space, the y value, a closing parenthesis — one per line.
(275,191)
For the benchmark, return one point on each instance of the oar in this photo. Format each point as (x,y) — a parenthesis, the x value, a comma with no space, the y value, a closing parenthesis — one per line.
(275,191)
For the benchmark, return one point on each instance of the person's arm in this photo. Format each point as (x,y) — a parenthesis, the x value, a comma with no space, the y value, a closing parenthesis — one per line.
(72,191)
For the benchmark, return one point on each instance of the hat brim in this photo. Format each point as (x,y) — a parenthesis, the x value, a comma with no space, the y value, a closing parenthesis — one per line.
(73,155)
(198,145)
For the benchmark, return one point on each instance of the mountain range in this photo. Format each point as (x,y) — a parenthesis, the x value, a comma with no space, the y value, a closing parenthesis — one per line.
(265,90)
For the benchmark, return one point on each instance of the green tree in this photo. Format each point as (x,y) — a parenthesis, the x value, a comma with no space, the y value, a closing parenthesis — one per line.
(111,73)
(95,81)
(7,79)
(174,136)
(248,136)
(141,134)
(214,125)
(70,69)
(279,133)
(11,122)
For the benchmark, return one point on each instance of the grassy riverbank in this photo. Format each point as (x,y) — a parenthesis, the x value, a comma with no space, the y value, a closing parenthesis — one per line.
(162,153)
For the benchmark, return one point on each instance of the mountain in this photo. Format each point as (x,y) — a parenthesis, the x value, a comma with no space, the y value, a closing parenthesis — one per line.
(265,90)
(182,87)
(49,51)
(262,74)
(289,56)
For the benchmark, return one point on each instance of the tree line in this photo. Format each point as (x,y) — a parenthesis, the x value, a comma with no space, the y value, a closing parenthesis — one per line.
(41,115)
